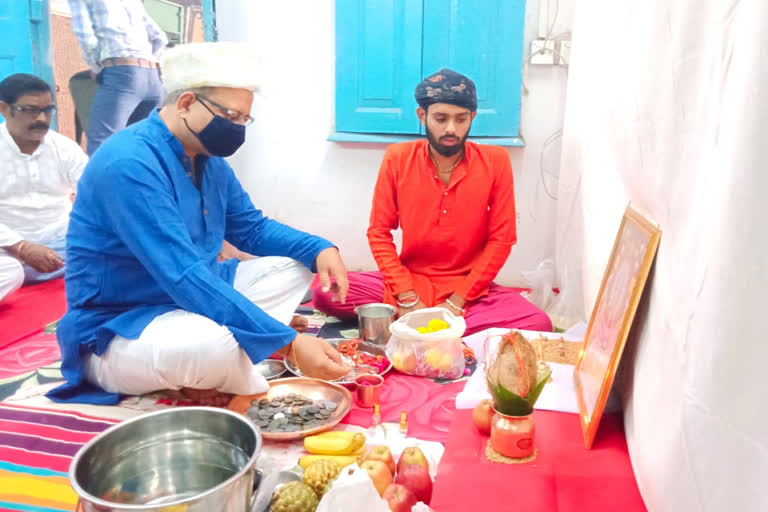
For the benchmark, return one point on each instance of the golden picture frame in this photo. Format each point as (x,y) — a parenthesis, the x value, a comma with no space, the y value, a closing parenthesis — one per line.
(634,250)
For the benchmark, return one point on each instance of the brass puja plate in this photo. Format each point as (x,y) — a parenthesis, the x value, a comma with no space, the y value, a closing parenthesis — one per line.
(317,390)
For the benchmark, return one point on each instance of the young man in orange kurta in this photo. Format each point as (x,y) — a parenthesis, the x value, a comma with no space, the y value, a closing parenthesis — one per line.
(455,203)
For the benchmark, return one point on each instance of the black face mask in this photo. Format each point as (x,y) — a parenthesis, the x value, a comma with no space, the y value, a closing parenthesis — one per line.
(220,137)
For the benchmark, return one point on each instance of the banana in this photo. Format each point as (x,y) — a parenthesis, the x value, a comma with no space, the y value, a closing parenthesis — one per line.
(359,440)
(334,443)
(337,433)
(342,460)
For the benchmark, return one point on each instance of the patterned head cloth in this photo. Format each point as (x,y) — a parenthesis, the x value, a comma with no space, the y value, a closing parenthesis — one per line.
(447,86)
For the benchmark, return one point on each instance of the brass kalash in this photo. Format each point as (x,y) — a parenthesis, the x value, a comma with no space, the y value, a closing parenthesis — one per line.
(516,375)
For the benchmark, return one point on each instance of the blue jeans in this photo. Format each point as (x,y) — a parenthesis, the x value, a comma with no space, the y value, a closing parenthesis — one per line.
(32,276)
(126,94)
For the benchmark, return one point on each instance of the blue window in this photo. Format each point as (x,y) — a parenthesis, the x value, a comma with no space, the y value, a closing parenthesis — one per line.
(385,47)
(25,39)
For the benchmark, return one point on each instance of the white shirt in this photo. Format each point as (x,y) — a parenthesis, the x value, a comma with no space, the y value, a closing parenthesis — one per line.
(35,189)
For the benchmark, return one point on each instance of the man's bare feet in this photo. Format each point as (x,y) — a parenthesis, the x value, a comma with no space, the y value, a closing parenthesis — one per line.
(211,397)
(299,323)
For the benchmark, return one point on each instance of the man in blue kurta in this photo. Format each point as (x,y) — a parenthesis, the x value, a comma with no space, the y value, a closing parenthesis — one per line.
(149,305)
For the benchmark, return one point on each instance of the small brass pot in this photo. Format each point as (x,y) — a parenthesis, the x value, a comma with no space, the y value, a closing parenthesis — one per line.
(512,436)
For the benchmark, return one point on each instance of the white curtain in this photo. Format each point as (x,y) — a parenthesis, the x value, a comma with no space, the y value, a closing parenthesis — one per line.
(667,108)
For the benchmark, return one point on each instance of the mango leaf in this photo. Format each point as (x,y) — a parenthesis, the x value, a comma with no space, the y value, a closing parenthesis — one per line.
(542,377)
(511,404)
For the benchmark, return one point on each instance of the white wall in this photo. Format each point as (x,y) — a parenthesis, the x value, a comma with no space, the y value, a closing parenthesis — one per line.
(295,175)
(60,7)
(667,108)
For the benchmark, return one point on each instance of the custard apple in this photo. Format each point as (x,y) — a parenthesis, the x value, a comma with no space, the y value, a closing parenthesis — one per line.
(294,497)
(319,474)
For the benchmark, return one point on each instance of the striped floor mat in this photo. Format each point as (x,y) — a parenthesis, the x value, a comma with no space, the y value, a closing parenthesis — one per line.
(36,448)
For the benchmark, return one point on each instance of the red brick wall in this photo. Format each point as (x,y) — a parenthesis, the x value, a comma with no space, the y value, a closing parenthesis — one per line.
(67,60)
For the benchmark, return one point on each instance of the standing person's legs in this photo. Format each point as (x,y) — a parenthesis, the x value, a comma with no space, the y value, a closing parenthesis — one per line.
(32,276)
(11,275)
(185,350)
(506,308)
(120,92)
(153,95)
(364,288)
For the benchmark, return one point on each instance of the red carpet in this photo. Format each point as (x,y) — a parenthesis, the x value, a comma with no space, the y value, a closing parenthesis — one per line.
(27,355)
(30,309)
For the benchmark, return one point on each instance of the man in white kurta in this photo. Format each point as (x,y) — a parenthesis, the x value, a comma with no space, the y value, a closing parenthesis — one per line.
(39,169)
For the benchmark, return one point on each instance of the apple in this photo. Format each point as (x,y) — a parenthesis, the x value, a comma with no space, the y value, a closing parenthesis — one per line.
(399,498)
(379,473)
(412,455)
(383,454)
(482,416)
(433,357)
(447,362)
(439,359)
(404,361)
(417,480)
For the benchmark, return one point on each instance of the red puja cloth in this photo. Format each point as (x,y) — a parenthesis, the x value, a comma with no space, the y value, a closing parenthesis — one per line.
(430,405)
(565,477)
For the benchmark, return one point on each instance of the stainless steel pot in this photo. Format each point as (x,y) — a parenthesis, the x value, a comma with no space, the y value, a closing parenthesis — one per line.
(193,459)
(374,320)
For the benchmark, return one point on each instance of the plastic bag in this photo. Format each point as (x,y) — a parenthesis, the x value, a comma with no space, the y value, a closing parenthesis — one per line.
(437,355)
(540,281)
(352,490)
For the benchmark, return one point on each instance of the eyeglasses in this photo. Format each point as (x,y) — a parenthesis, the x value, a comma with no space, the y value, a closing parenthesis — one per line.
(33,111)
(233,115)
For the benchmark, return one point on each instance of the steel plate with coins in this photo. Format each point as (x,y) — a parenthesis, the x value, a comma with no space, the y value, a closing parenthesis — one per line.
(271,368)
(295,407)
(364,347)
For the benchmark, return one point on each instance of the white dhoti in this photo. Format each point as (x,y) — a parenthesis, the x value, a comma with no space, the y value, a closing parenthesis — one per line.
(11,275)
(181,349)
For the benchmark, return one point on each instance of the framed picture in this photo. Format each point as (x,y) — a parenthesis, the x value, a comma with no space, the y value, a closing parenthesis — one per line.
(620,291)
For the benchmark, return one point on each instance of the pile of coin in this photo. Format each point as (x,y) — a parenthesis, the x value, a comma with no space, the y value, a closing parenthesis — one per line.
(290,413)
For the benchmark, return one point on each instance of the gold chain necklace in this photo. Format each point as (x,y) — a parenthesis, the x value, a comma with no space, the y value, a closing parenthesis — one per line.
(455,164)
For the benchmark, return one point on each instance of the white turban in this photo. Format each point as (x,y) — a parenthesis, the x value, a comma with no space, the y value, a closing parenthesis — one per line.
(193,65)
